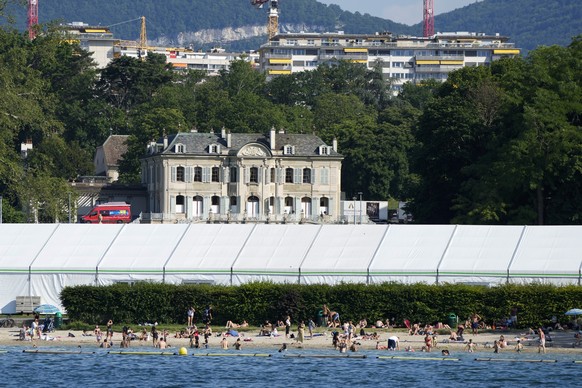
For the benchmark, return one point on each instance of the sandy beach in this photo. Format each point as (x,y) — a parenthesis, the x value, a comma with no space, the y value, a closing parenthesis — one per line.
(562,342)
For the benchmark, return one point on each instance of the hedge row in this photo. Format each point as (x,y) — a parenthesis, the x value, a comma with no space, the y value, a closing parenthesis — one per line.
(257,302)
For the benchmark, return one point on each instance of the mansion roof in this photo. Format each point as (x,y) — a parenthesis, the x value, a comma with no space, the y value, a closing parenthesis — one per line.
(198,143)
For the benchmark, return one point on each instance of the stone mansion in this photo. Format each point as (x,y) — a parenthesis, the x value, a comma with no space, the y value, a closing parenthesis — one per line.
(230,177)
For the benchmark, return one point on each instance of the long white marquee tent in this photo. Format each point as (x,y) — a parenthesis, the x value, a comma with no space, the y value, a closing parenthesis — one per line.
(42,259)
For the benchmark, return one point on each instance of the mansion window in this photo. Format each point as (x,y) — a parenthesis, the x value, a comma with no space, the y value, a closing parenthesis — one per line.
(180,148)
(254,175)
(233,174)
(306,175)
(215,174)
(288,175)
(197,174)
(180,174)
(273,172)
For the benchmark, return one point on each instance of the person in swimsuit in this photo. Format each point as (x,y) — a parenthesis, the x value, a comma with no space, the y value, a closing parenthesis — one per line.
(110,330)
(542,346)
(475,318)
(428,342)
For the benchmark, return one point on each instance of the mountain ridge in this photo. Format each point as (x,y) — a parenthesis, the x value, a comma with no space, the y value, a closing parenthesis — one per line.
(220,22)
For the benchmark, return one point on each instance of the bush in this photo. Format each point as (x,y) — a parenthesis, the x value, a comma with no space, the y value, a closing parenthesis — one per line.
(257,302)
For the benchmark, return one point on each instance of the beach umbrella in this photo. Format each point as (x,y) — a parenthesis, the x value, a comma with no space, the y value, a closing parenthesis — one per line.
(574,312)
(47,309)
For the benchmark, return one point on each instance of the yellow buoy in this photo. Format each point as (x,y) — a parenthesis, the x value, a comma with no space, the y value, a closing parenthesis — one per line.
(183,351)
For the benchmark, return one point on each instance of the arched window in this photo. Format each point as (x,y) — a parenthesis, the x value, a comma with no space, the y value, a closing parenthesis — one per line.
(253,206)
(289,208)
(306,207)
(215,207)
(198,209)
(180,208)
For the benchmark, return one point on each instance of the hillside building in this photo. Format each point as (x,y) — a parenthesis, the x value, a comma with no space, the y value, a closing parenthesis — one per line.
(402,58)
(96,39)
(228,177)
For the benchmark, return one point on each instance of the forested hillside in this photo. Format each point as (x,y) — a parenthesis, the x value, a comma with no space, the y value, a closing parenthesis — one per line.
(529,23)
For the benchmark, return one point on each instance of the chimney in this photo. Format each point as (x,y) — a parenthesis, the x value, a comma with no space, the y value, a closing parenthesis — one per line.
(228,140)
(272,140)
(223,133)
(334,146)
(165,141)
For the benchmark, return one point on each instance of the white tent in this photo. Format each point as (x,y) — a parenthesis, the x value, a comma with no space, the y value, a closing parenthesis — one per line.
(479,254)
(39,260)
(550,254)
(341,254)
(207,253)
(70,257)
(410,253)
(274,253)
(139,254)
(19,245)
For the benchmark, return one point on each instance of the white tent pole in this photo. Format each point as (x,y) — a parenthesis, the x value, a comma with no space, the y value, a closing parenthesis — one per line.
(376,252)
(105,254)
(307,251)
(445,252)
(32,262)
(173,251)
(515,252)
(239,253)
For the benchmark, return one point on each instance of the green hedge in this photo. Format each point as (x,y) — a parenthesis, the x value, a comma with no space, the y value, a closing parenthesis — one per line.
(257,302)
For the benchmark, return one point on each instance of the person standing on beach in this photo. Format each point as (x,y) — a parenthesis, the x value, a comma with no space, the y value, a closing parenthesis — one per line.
(475,318)
(542,345)
(326,315)
(109,334)
(154,336)
(190,314)
(393,343)
(300,332)
(311,326)
(287,326)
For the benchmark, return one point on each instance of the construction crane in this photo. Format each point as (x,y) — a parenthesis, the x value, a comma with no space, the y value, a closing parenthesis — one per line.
(32,18)
(273,25)
(428,18)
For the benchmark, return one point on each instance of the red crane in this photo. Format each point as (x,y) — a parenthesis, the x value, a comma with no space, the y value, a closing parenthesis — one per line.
(32,18)
(428,20)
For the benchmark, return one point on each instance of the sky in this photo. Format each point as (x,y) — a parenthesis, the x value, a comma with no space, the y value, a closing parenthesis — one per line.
(402,11)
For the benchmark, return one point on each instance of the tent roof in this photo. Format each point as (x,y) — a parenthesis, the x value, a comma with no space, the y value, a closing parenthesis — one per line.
(480,250)
(21,243)
(276,249)
(549,251)
(346,249)
(209,248)
(412,249)
(75,248)
(140,248)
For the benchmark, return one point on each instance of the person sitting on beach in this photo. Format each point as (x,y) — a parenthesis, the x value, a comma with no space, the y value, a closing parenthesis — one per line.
(518,346)
(335,319)
(379,324)
(414,329)
(363,323)
(453,336)
(380,347)
(266,328)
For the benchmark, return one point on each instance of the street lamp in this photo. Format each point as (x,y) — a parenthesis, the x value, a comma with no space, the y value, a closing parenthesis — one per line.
(0,209)
(360,194)
(354,198)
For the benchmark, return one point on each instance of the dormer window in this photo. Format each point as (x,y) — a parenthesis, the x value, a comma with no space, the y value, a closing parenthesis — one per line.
(214,149)
(289,150)
(180,148)
(324,150)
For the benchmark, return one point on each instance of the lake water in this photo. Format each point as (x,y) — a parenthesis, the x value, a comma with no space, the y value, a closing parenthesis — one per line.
(280,370)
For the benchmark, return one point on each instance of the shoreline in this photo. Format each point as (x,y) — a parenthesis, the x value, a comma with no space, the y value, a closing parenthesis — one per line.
(251,340)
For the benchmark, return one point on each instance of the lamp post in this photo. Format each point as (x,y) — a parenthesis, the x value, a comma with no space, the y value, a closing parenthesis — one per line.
(0,209)
(69,207)
(360,194)
(354,198)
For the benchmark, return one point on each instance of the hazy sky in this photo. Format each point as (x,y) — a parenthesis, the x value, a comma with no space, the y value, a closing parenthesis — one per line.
(403,11)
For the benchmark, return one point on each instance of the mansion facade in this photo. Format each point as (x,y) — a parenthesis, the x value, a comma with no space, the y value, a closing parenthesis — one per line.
(228,177)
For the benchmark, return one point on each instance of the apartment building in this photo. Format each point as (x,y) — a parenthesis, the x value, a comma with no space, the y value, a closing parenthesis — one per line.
(402,58)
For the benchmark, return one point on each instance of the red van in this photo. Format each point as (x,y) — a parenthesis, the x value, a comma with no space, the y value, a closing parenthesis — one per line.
(108,213)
